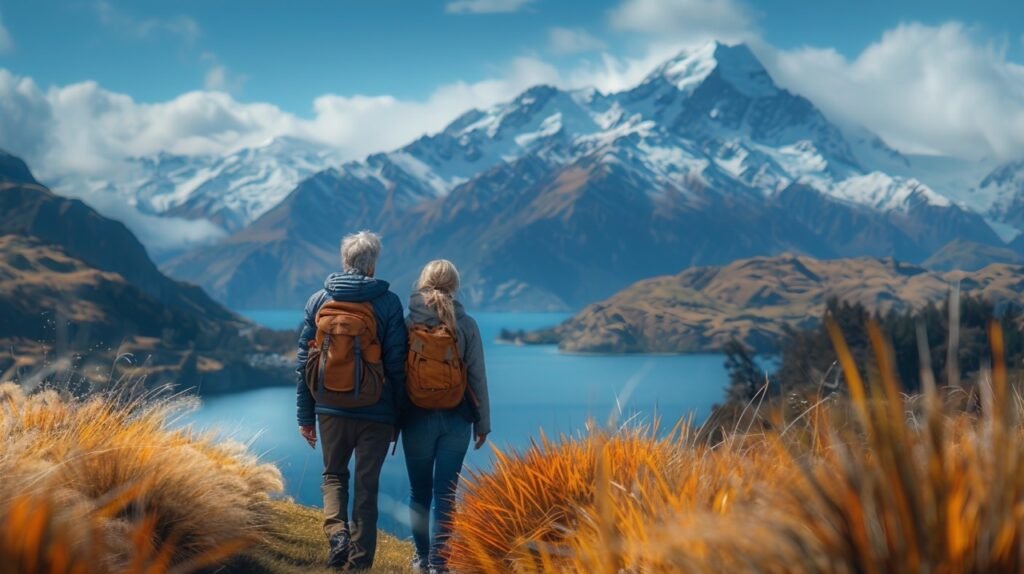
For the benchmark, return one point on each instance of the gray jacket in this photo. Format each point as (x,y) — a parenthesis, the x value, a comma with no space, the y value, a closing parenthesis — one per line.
(471,349)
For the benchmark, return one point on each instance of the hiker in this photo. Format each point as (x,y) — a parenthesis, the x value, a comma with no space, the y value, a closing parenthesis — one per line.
(352,352)
(447,388)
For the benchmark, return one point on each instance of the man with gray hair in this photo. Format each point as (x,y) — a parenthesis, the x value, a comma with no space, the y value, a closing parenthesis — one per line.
(355,390)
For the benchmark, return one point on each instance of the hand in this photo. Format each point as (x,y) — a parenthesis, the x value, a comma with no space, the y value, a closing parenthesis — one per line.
(308,432)
(480,440)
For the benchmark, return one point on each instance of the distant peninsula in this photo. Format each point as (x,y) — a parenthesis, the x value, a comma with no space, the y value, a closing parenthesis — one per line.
(756,300)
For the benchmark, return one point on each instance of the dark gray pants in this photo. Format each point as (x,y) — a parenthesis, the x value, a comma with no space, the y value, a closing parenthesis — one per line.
(341,437)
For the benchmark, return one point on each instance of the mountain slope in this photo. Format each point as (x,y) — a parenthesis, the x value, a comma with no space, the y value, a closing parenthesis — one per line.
(558,198)
(32,210)
(283,256)
(756,300)
(73,282)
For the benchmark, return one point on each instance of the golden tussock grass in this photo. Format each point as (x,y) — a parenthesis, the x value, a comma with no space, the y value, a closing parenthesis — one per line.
(876,482)
(105,485)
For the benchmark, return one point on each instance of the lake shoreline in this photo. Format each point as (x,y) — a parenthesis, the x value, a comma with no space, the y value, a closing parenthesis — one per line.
(533,390)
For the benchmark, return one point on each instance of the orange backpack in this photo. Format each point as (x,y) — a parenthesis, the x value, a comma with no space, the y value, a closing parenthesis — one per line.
(343,368)
(435,374)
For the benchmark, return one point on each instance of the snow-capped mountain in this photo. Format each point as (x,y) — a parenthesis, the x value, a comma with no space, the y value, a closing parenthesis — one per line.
(1003,191)
(230,191)
(981,185)
(558,197)
(711,115)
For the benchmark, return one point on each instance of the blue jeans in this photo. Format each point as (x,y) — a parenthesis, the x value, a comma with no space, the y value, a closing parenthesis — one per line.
(435,444)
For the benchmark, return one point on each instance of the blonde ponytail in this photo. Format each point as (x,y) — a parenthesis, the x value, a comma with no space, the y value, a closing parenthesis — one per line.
(438,283)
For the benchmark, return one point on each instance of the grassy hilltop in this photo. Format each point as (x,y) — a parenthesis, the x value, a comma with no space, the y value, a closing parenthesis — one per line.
(861,480)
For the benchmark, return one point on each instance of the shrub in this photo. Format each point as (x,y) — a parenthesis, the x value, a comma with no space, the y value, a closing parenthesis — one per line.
(870,481)
(103,484)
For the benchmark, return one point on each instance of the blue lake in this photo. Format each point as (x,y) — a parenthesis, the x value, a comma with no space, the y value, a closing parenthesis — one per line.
(533,389)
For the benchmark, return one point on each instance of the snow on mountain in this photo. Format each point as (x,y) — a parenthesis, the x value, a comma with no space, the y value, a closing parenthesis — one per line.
(873,153)
(995,191)
(737,65)
(1003,190)
(710,118)
(542,120)
(886,193)
(556,196)
(230,191)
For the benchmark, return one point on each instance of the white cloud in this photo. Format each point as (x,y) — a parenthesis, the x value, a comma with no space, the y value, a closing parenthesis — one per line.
(219,78)
(87,130)
(573,41)
(161,235)
(486,6)
(933,89)
(612,73)
(924,89)
(685,20)
(183,27)
(6,41)
(921,88)
(358,125)
(26,119)
(216,79)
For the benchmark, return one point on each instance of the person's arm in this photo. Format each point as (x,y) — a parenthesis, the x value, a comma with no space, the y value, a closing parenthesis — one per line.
(476,373)
(304,401)
(395,347)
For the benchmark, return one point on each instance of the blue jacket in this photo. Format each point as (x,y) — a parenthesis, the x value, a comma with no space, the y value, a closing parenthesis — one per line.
(391,332)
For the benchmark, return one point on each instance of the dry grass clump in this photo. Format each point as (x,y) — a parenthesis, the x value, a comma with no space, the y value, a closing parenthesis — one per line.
(104,485)
(875,483)
(593,498)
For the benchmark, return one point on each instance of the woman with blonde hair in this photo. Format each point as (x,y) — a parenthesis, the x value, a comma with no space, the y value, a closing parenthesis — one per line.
(447,388)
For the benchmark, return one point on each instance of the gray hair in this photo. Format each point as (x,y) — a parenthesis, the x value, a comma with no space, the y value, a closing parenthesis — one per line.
(359,252)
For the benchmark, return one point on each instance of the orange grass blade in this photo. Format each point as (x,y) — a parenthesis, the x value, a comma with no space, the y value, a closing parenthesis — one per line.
(853,379)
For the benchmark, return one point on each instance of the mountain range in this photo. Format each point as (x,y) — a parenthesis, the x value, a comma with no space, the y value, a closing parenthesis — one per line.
(230,191)
(76,284)
(558,198)
(756,300)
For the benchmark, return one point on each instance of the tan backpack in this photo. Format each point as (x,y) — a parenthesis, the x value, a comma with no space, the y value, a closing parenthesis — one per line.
(435,374)
(343,368)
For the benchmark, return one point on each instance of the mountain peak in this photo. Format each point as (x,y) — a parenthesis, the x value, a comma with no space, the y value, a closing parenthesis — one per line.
(14,170)
(736,65)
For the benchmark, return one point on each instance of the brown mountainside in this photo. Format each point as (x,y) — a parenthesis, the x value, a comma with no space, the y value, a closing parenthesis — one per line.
(76,284)
(754,300)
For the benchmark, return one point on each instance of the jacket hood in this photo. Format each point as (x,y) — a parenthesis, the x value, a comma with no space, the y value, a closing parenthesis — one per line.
(354,287)
(420,312)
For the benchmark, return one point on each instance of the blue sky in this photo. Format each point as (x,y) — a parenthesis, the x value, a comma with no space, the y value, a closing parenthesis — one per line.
(288,53)
(85,84)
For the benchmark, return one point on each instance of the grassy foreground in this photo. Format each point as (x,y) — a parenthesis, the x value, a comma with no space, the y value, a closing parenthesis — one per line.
(866,481)
(106,485)
(294,543)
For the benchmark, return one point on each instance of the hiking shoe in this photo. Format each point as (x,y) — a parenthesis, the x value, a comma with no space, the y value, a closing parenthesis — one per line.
(419,565)
(337,556)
